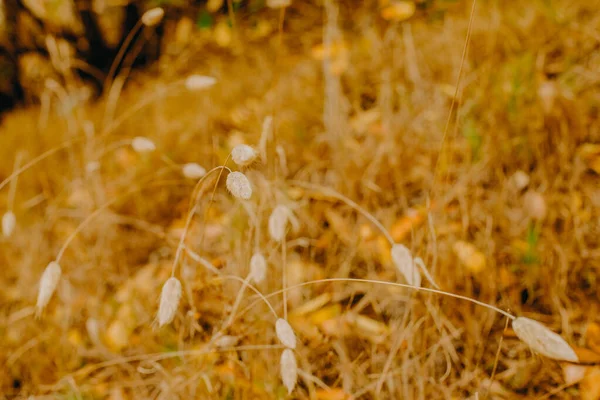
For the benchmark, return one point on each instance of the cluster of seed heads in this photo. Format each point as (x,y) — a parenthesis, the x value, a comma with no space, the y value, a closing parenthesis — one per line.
(539,338)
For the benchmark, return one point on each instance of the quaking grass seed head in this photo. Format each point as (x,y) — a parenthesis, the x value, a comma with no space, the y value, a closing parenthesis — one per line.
(289,369)
(153,16)
(243,155)
(48,283)
(403,261)
(193,171)
(285,333)
(199,82)
(141,144)
(258,267)
(169,301)
(9,223)
(542,340)
(239,185)
(278,222)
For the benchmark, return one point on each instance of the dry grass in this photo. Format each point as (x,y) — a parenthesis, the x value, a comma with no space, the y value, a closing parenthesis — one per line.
(528,101)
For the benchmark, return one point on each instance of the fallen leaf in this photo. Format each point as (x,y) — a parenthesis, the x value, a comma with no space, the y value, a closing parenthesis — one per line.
(333,394)
(586,356)
(407,223)
(590,154)
(223,34)
(117,336)
(589,387)
(469,256)
(592,336)
(325,314)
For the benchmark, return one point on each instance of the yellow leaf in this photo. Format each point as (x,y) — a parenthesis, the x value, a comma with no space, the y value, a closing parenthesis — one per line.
(404,226)
(592,336)
(326,314)
(590,385)
(75,338)
(117,335)
(398,11)
(469,256)
(222,34)
(384,248)
(333,394)
(214,5)
(590,154)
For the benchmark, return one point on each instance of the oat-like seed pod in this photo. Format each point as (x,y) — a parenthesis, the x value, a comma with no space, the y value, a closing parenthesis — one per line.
(242,154)
(278,222)
(142,145)
(9,222)
(289,369)
(193,171)
(404,263)
(542,340)
(258,267)
(48,283)
(285,333)
(169,301)
(239,185)
(199,82)
(153,16)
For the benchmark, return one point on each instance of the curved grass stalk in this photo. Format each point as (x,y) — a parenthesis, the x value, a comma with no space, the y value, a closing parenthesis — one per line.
(394,284)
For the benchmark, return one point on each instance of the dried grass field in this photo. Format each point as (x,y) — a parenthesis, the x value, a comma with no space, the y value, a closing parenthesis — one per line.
(330,200)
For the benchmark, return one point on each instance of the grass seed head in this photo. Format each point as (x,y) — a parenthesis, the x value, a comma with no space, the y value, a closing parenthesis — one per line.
(193,171)
(258,267)
(169,301)
(142,145)
(278,222)
(153,16)
(542,340)
(9,222)
(405,264)
(285,333)
(239,185)
(289,369)
(243,155)
(48,283)
(199,82)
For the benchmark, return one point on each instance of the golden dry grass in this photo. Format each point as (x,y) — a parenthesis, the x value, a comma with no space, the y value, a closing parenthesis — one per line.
(369,123)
